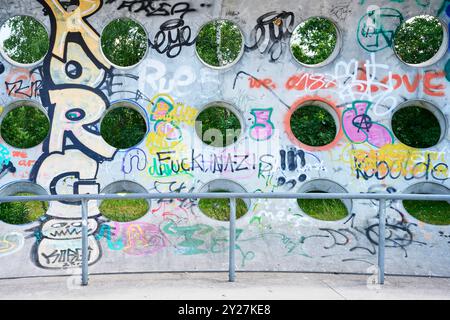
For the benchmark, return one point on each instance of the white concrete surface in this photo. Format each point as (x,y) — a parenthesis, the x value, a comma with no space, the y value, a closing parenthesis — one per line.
(201,286)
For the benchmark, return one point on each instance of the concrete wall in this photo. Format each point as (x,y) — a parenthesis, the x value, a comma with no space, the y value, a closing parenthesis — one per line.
(273,235)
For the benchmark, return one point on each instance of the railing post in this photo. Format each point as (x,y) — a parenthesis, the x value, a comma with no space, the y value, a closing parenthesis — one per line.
(231,263)
(381,239)
(84,242)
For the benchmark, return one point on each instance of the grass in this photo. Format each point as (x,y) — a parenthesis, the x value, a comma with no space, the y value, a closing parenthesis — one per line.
(219,209)
(24,127)
(221,119)
(22,212)
(124,210)
(323,209)
(432,212)
(123,127)
(313,126)
(418,39)
(416,127)
(314,40)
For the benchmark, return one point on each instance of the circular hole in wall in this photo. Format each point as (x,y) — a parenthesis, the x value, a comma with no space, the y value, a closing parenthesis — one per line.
(18,213)
(324,209)
(218,124)
(314,123)
(418,124)
(431,212)
(219,209)
(123,125)
(219,44)
(124,210)
(421,40)
(23,40)
(315,42)
(124,42)
(24,124)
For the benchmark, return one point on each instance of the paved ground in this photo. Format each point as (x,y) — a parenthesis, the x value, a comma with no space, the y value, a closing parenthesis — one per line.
(215,286)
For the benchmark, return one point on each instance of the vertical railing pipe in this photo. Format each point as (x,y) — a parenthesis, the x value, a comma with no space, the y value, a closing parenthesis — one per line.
(84,242)
(232,260)
(381,239)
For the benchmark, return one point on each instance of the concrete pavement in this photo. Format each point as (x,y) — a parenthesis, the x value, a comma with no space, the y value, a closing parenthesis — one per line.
(215,286)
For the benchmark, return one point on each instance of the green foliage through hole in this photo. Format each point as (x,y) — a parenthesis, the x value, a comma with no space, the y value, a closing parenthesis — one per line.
(218,122)
(124,42)
(416,127)
(219,209)
(24,127)
(123,127)
(22,212)
(323,209)
(432,212)
(313,125)
(124,210)
(314,40)
(24,39)
(219,43)
(418,39)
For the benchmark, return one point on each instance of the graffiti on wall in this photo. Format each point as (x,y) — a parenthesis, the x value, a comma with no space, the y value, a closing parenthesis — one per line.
(153,8)
(348,242)
(270,34)
(76,86)
(377,27)
(10,243)
(263,127)
(73,150)
(398,161)
(22,83)
(359,127)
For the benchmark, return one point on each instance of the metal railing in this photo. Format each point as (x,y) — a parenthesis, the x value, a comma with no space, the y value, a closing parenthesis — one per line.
(85,198)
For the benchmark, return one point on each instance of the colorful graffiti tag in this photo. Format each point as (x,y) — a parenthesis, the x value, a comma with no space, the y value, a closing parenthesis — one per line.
(76,85)
(359,127)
